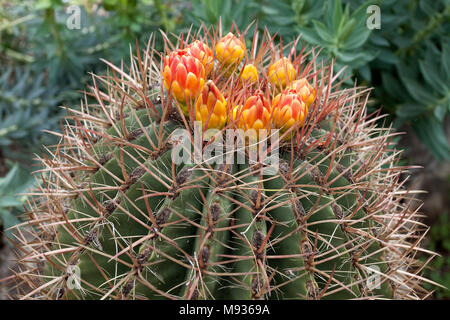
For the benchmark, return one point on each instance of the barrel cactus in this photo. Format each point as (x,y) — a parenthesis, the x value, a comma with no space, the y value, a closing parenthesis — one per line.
(154,190)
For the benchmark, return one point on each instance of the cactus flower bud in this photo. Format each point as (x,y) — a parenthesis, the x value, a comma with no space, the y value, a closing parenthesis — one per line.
(202,52)
(305,90)
(184,76)
(254,114)
(230,50)
(211,107)
(249,74)
(281,73)
(288,109)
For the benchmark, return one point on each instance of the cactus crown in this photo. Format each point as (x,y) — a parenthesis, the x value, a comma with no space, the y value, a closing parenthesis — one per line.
(332,220)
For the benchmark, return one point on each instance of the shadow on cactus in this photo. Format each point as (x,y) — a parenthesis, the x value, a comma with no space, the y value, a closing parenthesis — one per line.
(222,170)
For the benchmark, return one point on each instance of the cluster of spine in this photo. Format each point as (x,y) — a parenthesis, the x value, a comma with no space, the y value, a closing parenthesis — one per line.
(116,218)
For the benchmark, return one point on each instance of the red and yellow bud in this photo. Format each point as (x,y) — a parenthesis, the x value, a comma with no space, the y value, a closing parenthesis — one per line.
(184,76)
(202,52)
(211,107)
(230,50)
(281,73)
(249,74)
(304,90)
(254,114)
(288,110)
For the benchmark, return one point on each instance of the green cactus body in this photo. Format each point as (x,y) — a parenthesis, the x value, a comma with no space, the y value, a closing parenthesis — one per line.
(328,223)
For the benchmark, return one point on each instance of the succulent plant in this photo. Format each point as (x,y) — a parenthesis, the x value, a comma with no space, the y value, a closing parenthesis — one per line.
(119,217)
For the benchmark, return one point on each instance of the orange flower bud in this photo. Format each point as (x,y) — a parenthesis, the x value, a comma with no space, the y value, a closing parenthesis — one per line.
(255,113)
(211,107)
(304,90)
(230,50)
(235,111)
(184,76)
(288,110)
(202,52)
(249,74)
(281,73)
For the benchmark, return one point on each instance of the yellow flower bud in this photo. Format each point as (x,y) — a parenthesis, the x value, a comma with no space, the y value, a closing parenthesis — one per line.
(249,74)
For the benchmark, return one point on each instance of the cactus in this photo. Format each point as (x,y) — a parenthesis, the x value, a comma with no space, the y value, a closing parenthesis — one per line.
(116,217)
(304,90)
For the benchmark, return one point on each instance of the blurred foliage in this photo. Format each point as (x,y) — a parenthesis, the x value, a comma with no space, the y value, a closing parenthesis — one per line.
(439,269)
(25,106)
(13,187)
(416,51)
(242,13)
(406,60)
(44,64)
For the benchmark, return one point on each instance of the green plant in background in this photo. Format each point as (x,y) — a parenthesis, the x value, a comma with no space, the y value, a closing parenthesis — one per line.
(11,40)
(26,110)
(241,13)
(13,189)
(137,17)
(423,96)
(410,73)
(439,269)
(341,34)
